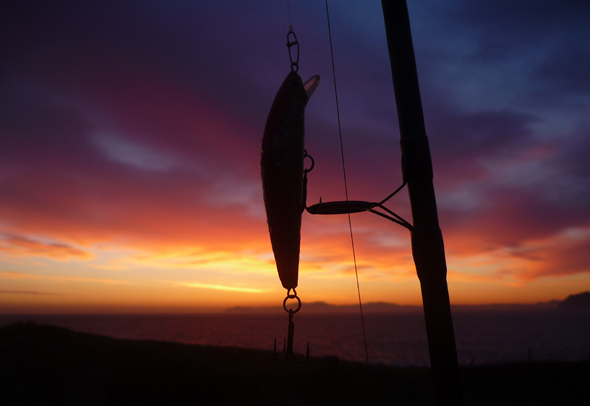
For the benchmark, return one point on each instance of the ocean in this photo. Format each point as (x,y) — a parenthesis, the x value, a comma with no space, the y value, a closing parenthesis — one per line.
(393,339)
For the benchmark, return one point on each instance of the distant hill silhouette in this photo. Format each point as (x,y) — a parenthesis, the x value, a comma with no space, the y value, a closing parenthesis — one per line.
(580,301)
(383,307)
(323,307)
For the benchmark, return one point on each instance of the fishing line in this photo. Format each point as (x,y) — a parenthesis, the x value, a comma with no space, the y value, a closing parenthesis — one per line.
(358,288)
(289,14)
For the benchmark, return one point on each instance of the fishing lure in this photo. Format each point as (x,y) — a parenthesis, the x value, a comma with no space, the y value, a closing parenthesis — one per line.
(282,170)
(284,186)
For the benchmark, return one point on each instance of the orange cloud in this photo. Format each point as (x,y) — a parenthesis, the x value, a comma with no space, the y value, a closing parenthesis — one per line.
(25,292)
(561,254)
(565,253)
(221,287)
(20,275)
(23,246)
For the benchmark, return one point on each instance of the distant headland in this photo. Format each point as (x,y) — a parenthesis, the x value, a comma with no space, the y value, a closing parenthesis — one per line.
(577,302)
(580,301)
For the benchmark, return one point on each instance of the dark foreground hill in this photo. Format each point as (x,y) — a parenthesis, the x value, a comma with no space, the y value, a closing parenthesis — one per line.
(45,365)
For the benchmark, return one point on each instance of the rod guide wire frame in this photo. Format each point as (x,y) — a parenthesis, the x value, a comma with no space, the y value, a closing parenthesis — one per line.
(358,206)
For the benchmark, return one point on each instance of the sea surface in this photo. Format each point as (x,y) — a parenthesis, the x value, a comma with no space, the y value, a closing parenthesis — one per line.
(393,339)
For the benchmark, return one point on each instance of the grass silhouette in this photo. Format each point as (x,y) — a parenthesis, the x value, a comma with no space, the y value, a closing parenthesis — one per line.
(41,364)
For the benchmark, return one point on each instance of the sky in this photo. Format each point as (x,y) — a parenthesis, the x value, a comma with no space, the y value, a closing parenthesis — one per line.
(130,136)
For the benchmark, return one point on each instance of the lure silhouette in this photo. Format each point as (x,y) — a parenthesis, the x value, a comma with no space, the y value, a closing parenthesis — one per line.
(282,173)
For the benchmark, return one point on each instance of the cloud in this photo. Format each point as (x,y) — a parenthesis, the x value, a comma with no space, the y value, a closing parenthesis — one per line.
(221,287)
(130,153)
(25,292)
(21,275)
(192,258)
(23,246)
(563,254)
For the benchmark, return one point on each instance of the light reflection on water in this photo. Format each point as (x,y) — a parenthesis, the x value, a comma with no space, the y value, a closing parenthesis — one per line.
(396,339)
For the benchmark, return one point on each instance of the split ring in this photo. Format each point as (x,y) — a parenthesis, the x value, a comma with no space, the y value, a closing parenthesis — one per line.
(292,297)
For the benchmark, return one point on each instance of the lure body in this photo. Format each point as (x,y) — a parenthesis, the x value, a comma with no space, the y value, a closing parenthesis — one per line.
(282,173)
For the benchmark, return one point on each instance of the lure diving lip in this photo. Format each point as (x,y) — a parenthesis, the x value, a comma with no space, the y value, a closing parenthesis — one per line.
(282,173)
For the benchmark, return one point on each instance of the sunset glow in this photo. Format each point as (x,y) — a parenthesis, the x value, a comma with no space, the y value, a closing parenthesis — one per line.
(130,153)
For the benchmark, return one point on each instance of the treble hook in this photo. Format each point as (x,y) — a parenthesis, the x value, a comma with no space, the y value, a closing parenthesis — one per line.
(288,343)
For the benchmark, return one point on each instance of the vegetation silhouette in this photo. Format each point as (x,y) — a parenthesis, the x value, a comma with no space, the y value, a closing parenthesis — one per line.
(42,364)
